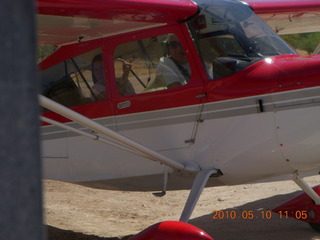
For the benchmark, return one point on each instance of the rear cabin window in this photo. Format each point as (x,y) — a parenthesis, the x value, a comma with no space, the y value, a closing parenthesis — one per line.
(75,81)
(150,64)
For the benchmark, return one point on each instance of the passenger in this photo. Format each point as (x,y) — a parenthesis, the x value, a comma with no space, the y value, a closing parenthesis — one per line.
(124,86)
(174,69)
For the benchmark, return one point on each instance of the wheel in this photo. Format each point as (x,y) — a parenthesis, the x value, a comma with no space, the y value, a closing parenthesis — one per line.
(315,226)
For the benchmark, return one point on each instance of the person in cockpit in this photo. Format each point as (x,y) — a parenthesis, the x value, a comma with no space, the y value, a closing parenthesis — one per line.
(124,86)
(174,69)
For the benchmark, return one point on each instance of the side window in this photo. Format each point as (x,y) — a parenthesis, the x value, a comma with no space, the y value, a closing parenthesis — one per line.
(150,64)
(76,81)
(217,52)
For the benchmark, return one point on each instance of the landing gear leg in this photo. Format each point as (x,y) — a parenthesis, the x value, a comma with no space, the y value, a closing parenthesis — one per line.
(317,50)
(313,214)
(196,190)
(165,182)
(304,207)
(307,189)
(181,230)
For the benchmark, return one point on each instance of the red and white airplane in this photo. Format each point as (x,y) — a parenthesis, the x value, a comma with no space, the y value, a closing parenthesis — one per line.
(168,94)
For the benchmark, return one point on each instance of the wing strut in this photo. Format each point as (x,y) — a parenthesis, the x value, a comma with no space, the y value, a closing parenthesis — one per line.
(306,188)
(125,142)
(317,50)
(93,136)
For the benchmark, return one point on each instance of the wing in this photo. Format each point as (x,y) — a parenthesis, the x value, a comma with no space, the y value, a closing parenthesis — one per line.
(289,16)
(66,21)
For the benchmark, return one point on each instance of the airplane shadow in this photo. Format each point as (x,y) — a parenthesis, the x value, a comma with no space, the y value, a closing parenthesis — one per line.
(147,183)
(54,233)
(262,226)
(226,228)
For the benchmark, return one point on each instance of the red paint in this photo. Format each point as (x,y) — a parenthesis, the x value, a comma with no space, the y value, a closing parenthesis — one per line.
(279,74)
(128,10)
(93,110)
(172,230)
(67,21)
(301,207)
(275,6)
(69,51)
(171,98)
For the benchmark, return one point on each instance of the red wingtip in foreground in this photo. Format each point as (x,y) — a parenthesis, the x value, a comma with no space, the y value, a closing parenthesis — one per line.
(303,208)
(172,230)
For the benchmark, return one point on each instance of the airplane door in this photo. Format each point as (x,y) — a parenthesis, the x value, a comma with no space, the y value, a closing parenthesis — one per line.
(157,91)
(71,82)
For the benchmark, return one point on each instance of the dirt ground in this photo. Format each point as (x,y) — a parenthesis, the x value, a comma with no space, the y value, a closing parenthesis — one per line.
(74,211)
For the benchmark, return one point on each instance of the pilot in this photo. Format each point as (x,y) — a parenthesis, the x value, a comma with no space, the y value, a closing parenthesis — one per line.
(124,86)
(174,69)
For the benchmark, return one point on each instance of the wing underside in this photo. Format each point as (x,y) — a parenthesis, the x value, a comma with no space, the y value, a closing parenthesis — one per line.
(289,16)
(67,21)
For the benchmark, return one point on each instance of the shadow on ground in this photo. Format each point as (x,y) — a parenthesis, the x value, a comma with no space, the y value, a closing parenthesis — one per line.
(61,234)
(259,228)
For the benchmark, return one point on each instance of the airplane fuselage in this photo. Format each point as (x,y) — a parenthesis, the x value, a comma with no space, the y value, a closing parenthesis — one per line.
(252,112)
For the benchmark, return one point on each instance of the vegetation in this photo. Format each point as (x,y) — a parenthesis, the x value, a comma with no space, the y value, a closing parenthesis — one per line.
(303,41)
(44,51)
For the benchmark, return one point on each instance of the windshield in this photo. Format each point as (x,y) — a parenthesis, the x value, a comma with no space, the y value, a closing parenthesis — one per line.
(230,37)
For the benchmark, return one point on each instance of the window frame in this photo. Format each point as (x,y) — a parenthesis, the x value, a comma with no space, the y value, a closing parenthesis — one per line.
(115,42)
(93,109)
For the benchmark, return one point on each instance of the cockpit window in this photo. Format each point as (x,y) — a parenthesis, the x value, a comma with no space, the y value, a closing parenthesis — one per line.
(230,37)
(78,80)
(151,64)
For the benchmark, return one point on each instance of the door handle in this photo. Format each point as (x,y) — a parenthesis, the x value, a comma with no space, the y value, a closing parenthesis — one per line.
(124,104)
